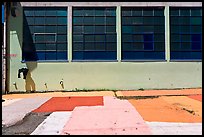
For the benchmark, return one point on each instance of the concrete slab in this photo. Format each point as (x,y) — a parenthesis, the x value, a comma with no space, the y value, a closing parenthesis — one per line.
(112,118)
(186,103)
(15,112)
(53,124)
(169,128)
(10,101)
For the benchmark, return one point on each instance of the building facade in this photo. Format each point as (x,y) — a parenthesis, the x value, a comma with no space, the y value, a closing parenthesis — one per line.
(104,45)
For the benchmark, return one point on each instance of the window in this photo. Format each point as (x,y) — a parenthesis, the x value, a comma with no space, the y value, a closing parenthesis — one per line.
(44,34)
(94,33)
(143,34)
(186,33)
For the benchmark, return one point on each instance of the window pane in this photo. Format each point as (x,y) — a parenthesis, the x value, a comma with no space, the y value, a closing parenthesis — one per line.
(51,12)
(185,38)
(148,37)
(185,12)
(174,12)
(78,20)
(138,38)
(175,29)
(88,12)
(89,46)
(30,20)
(51,20)
(138,46)
(99,29)
(62,13)
(196,12)
(99,12)
(159,37)
(61,29)
(127,46)
(136,12)
(127,29)
(148,12)
(50,29)
(40,12)
(148,29)
(195,37)
(50,47)
(99,38)
(137,21)
(111,38)
(159,12)
(88,21)
(78,38)
(61,46)
(78,29)
(40,46)
(99,20)
(78,12)
(159,46)
(148,46)
(127,38)
(175,38)
(78,46)
(196,45)
(89,38)
(110,12)
(61,55)
(62,38)
(89,29)
(39,21)
(185,29)
(111,20)
(39,38)
(186,46)
(39,29)
(100,46)
(110,29)
(196,21)
(196,29)
(50,38)
(50,55)
(62,20)
(111,46)
(28,12)
(184,20)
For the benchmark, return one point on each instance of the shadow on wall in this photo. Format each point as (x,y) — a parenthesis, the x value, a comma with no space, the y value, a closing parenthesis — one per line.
(29,83)
(19,25)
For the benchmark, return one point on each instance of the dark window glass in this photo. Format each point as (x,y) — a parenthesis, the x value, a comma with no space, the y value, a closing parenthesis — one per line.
(62,20)
(95,26)
(185,34)
(50,29)
(89,29)
(142,28)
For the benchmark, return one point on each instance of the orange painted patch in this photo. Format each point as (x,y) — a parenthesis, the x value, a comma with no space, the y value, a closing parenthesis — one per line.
(68,103)
(196,97)
(159,110)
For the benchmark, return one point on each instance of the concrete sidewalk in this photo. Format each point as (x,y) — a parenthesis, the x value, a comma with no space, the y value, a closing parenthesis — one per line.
(175,112)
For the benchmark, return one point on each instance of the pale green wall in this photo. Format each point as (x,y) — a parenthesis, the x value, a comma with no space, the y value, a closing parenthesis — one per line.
(98,75)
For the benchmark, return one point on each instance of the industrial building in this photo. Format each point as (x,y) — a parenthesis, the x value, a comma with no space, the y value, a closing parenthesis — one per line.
(71,46)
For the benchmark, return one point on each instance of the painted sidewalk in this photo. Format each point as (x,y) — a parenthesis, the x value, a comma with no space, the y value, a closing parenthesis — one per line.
(160,92)
(94,113)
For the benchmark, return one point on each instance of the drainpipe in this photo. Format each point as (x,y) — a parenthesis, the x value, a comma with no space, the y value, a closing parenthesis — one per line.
(6,46)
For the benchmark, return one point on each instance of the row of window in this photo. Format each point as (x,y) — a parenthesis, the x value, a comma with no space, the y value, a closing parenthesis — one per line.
(94,34)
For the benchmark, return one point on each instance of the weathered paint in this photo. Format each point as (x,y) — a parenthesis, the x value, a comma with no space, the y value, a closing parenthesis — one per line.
(97,75)
(169,109)
(68,103)
(53,124)
(116,117)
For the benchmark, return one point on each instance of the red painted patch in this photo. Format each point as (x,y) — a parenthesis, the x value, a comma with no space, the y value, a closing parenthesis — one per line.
(68,103)
(196,97)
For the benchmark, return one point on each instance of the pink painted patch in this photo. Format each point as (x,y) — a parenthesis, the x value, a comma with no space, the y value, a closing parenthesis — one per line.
(110,119)
(68,103)
(196,97)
